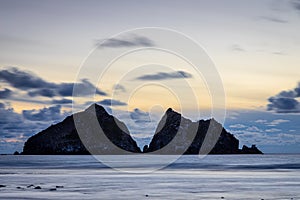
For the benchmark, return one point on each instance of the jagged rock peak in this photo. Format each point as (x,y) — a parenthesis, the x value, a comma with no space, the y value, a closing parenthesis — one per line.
(250,150)
(95,107)
(170,110)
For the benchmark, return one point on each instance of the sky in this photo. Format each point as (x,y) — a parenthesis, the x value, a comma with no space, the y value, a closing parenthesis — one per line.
(251,47)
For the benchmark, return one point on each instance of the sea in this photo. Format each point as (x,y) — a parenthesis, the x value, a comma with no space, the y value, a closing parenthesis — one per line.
(129,177)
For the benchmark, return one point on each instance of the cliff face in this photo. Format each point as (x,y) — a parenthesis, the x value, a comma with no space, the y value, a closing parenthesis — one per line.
(174,133)
(63,137)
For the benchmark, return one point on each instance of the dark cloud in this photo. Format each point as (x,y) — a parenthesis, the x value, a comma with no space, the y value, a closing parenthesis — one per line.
(7,115)
(283,105)
(12,128)
(112,102)
(119,88)
(44,114)
(297,90)
(82,89)
(134,41)
(62,101)
(165,76)
(285,101)
(8,118)
(288,94)
(66,89)
(296,4)
(5,93)
(274,19)
(36,86)
(15,128)
(139,116)
(42,92)
(23,80)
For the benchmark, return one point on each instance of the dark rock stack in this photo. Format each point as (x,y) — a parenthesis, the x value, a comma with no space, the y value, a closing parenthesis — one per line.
(101,133)
(97,129)
(250,150)
(175,133)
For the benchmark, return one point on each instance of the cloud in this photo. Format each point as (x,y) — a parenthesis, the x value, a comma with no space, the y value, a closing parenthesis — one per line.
(165,76)
(23,80)
(237,126)
(268,138)
(260,121)
(285,101)
(12,129)
(82,89)
(283,105)
(119,88)
(254,135)
(288,94)
(133,41)
(277,122)
(5,93)
(138,116)
(15,128)
(112,102)
(296,4)
(44,114)
(274,122)
(267,130)
(36,86)
(280,53)
(141,124)
(253,129)
(61,101)
(42,92)
(237,47)
(273,19)
(297,90)
(7,115)
(273,130)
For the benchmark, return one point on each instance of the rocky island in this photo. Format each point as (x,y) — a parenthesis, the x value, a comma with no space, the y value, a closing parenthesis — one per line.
(63,138)
(105,134)
(174,133)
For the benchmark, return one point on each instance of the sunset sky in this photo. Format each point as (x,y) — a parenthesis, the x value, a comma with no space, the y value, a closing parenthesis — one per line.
(254,46)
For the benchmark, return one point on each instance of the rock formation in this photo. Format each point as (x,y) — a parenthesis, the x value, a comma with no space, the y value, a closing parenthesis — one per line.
(176,135)
(63,138)
(101,133)
(252,150)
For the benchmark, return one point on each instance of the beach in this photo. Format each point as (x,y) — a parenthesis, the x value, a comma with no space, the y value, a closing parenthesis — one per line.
(190,177)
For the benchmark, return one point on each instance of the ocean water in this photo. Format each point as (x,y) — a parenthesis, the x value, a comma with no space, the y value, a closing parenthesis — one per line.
(141,177)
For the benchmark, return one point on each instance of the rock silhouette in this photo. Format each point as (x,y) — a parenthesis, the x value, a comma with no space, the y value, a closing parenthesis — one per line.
(97,129)
(101,133)
(178,135)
